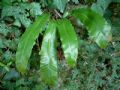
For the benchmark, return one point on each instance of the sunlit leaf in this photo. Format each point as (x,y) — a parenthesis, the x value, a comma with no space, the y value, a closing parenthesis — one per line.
(69,41)
(99,30)
(48,62)
(27,41)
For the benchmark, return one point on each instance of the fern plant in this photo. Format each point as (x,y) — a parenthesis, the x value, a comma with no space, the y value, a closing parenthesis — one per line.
(98,29)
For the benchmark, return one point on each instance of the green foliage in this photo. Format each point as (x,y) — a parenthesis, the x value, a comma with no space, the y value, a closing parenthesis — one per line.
(58,4)
(69,41)
(9,37)
(21,13)
(48,45)
(48,62)
(98,29)
(27,41)
(96,69)
(76,1)
(6,2)
(100,6)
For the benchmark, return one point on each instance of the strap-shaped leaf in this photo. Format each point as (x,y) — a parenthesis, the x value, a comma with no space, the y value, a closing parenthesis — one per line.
(48,63)
(27,41)
(69,40)
(99,30)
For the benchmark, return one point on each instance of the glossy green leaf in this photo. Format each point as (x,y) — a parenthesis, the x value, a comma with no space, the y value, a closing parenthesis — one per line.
(48,63)
(99,30)
(27,41)
(69,41)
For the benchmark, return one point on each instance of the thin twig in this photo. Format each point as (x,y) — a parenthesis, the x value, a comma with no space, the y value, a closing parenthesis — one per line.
(57,13)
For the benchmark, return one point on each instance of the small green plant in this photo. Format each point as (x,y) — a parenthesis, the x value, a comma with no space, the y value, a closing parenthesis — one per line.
(97,27)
